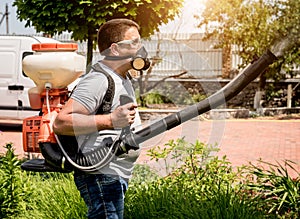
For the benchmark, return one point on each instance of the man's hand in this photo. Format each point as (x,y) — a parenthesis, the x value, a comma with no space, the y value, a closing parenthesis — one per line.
(123,116)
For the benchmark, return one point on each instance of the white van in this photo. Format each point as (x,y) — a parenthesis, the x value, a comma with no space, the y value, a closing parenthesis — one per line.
(14,84)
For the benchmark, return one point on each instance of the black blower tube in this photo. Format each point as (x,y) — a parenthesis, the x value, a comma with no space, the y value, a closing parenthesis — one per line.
(220,97)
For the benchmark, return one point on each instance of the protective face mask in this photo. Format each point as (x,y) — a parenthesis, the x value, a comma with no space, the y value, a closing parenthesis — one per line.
(139,61)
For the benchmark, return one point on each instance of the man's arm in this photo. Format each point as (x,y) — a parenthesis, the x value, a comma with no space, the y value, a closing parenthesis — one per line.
(75,119)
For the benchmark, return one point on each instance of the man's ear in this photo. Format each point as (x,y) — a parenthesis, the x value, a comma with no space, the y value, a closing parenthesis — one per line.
(114,49)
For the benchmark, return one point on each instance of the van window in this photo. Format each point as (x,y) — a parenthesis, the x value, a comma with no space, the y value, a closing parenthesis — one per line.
(8,66)
(23,56)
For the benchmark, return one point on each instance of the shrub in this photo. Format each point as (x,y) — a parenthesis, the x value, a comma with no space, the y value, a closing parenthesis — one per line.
(281,193)
(14,186)
(155,98)
(197,185)
(201,186)
(55,196)
(36,195)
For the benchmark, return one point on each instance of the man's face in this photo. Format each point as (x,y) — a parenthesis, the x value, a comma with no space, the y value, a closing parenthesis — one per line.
(127,47)
(131,42)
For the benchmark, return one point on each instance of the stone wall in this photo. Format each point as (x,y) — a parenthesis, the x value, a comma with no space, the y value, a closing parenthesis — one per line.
(275,95)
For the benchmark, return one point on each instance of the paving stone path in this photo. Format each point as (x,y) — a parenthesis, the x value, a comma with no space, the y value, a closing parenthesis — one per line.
(242,141)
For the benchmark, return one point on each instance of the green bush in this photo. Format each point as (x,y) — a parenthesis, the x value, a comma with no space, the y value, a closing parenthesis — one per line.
(155,98)
(55,196)
(36,195)
(280,192)
(196,185)
(200,187)
(14,186)
(198,97)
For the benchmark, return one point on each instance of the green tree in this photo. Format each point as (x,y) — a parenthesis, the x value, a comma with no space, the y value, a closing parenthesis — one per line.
(254,26)
(83,17)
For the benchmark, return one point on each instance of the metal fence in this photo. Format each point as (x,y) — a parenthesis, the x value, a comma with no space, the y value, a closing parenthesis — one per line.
(178,53)
(185,52)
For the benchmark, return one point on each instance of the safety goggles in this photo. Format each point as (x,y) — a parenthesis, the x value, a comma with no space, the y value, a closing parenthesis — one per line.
(135,42)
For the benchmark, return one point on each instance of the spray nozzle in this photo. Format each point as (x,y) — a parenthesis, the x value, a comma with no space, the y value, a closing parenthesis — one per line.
(48,85)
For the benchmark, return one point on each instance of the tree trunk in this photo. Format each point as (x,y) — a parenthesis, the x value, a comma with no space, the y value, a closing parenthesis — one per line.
(259,94)
(89,56)
(142,89)
(226,62)
(262,81)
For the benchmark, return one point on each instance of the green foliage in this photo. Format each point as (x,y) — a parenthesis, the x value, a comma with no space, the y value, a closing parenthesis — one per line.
(198,97)
(142,174)
(183,154)
(36,195)
(200,187)
(254,26)
(14,188)
(167,94)
(55,196)
(83,18)
(272,93)
(280,192)
(154,98)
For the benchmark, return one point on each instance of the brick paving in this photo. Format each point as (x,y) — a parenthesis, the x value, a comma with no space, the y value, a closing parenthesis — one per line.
(242,141)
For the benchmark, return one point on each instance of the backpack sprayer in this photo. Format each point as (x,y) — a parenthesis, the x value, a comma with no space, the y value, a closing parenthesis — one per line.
(37,131)
(52,67)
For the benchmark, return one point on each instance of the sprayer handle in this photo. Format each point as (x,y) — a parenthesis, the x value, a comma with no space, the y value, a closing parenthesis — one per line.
(124,99)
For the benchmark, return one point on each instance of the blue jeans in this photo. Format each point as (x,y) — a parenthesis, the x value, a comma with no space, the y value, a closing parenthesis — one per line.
(103,195)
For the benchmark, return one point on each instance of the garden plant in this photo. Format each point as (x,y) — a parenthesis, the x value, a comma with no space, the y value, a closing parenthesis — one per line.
(196,184)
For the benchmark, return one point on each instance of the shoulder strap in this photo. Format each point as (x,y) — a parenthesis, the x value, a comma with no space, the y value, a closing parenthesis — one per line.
(105,106)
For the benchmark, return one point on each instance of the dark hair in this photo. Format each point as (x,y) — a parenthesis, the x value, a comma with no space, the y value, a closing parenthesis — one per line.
(113,31)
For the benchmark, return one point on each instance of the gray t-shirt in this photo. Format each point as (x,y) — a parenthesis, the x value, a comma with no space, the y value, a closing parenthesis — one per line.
(90,92)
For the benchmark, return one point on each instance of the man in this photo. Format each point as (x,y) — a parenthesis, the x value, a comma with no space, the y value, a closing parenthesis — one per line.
(103,190)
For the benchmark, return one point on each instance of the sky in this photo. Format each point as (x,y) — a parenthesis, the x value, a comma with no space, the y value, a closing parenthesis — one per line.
(14,25)
(186,23)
